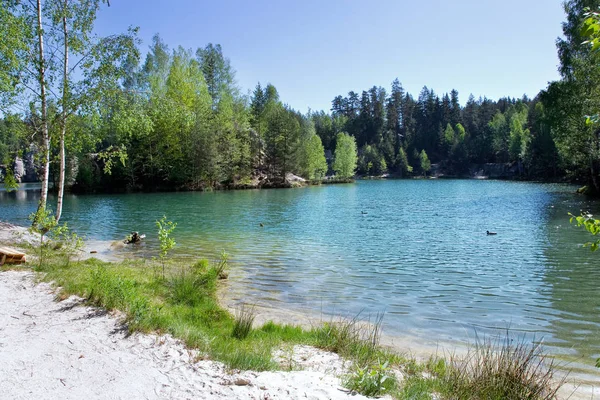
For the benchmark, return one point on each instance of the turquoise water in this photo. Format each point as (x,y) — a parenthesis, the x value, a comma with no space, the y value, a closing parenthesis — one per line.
(415,249)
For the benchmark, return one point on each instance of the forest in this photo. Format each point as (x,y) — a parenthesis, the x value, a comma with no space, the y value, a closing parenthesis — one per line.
(92,115)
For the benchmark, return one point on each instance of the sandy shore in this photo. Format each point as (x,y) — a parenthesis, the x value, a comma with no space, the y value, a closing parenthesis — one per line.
(66,350)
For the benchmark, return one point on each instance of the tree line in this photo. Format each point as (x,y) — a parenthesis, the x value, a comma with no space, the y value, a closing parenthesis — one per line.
(99,116)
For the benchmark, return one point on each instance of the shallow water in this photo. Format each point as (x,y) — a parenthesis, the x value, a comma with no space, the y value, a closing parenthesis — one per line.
(415,249)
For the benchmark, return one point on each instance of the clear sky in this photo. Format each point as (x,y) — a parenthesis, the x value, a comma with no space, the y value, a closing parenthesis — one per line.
(313,50)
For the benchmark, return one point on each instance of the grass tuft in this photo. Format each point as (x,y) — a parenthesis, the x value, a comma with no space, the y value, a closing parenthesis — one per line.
(352,338)
(243,322)
(503,368)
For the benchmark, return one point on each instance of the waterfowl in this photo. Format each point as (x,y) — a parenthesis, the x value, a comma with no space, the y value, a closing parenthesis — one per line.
(491,233)
(364,212)
(261,225)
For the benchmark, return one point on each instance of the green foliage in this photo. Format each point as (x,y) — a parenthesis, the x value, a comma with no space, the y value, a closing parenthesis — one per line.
(449,136)
(109,155)
(589,224)
(165,228)
(371,162)
(345,157)
(42,222)
(10,183)
(281,139)
(371,381)
(402,163)
(195,285)
(519,136)
(424,162)
(15,34)
(591,29)
(61,238)
(66,240)
(312,154)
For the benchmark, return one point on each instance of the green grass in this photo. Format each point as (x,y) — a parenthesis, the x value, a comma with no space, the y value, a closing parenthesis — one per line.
(184,305)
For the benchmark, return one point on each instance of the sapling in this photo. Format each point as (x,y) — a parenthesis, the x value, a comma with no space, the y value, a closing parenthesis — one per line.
(42,223)
(165,228)
(70,243)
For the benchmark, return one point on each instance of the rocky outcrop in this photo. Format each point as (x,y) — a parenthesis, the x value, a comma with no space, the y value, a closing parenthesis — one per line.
(19,169)
(24,168)
(497,171)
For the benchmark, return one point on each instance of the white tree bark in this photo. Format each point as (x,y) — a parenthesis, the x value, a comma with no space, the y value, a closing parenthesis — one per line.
(44,112)
(64,114)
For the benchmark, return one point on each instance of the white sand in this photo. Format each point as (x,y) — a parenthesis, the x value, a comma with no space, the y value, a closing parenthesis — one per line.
(64,350)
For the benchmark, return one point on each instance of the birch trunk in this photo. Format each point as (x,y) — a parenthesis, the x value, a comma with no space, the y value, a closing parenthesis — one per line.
(44,113)
(63,120)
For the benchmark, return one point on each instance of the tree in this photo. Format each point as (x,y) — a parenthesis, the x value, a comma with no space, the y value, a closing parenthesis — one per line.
(449,138)
(41,80)
(345,156)
(371,162)
(15,36)
(76,20)
(571,103)
(59,29)
(312,155)
(218,74)
(574,46)
(499,131)
(424,162)
(281,138)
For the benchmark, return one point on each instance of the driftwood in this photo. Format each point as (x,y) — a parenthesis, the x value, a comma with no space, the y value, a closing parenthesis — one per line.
(11,256)
(134,238)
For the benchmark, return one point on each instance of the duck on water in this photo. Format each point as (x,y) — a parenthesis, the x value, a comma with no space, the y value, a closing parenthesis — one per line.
(490,233)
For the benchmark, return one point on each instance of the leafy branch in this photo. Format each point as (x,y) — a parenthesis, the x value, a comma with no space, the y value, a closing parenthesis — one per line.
(591,225)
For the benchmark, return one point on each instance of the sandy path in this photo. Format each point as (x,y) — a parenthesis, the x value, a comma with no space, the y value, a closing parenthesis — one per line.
(64,350)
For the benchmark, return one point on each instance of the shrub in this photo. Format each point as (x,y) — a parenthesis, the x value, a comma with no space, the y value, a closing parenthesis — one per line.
(374,380)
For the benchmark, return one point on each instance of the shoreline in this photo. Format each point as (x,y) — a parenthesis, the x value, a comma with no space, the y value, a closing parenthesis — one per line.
(69,350)
(412,346)
(295,184)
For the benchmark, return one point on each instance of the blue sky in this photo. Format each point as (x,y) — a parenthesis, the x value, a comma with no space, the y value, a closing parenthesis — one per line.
(313,50)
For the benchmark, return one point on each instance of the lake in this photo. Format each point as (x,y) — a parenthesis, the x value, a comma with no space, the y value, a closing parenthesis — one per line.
(416,250)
